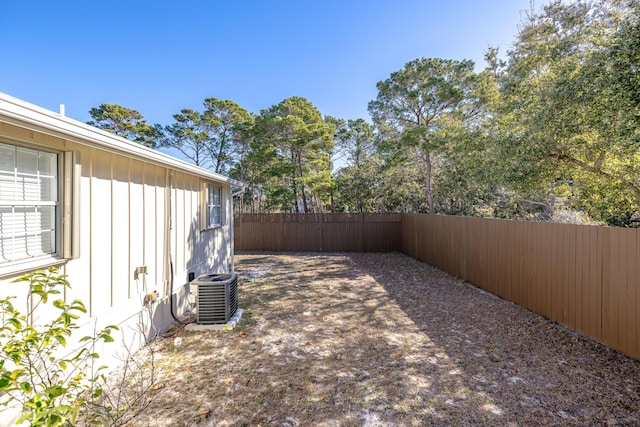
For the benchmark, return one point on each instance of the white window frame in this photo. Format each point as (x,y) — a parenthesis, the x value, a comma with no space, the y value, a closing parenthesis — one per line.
(66,226)
(209,206)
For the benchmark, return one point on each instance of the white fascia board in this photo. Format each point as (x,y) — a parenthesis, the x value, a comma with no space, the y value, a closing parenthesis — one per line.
(20,113)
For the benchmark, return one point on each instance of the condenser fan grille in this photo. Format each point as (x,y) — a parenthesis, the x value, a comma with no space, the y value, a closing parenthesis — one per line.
(217,298)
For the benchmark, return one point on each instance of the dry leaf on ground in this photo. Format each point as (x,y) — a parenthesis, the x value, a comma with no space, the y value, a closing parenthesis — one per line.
(384,340)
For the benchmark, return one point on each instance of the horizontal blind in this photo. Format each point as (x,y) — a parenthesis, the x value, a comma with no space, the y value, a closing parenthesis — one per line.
(28,203)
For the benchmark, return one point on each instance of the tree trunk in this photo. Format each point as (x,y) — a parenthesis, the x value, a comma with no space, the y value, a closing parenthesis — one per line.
(219,156)
(296,206)
(549,206)
(304,200)
(303,193)
(427,181)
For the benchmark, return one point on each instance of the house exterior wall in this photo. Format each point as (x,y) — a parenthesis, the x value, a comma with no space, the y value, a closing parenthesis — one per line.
(129,212)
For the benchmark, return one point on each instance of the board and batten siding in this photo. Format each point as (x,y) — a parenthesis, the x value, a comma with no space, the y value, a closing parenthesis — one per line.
(132,213)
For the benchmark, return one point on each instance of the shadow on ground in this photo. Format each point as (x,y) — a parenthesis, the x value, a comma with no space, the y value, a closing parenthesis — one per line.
(384,340)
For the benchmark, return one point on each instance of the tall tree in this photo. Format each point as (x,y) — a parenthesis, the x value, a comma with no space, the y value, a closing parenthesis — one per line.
(357,181)
(466,179)
(228,126)
(293,144)
(126,123)
(355,141)
(357,187)
(213,138)
(563,111)
(419,103)
(401,184)
(189,137)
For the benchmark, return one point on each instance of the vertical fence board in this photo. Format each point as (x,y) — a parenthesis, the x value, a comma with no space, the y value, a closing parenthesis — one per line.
(539,271)
(570,292)
(563,265)
(608,273)
(598,289)
(434,228)
(628,321)
(500,234)
(560,285)
(421,237)
(464,247)
(522,245)
(617,287)
(492,285)
(550,273)
(513,265)
(409,233)
(502,229)
(497,248)
(474,260)
(620,295)
(636,283)
(581,281)
(433,235)
(530,260)
(588,242)
(483,245)
(515,243)
(472,264)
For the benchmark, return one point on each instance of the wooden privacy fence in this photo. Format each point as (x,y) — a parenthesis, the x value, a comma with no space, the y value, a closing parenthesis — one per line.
(585,277)
(318,232)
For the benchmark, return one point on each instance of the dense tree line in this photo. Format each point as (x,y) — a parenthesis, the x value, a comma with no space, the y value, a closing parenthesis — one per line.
(548,131)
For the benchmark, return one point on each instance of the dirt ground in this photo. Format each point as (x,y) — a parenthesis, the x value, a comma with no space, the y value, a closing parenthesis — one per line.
(384,340)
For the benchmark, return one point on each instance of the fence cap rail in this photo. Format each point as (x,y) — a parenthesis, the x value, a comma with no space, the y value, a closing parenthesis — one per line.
(317,217)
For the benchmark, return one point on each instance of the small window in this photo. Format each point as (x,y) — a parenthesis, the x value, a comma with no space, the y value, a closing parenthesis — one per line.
(214,206)
(29,204)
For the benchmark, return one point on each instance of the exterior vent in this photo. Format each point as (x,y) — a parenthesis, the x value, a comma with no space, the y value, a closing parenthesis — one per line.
(217,298)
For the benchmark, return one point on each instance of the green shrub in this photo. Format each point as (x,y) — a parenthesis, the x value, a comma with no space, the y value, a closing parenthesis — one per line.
(51,382)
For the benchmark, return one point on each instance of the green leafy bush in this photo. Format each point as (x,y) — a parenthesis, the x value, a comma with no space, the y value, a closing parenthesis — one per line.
(37,370)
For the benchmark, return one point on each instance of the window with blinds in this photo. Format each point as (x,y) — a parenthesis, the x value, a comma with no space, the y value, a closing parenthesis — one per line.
(29,203)
(214,206)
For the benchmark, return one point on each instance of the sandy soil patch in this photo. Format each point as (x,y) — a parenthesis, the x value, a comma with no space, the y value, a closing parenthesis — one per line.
(384,340)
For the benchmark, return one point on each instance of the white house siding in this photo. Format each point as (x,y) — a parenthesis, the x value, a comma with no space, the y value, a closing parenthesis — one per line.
(132,212)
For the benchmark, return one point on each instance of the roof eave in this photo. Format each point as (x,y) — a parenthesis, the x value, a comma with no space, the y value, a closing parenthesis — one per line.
(60,126)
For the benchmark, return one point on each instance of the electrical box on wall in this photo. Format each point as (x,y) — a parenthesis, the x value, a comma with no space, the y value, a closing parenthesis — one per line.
(138,271)
(151,297)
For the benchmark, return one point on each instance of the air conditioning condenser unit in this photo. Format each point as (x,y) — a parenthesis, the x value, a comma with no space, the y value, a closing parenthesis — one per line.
(216,298)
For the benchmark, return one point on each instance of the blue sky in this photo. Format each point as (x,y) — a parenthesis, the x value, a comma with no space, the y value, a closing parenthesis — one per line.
(158,57)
